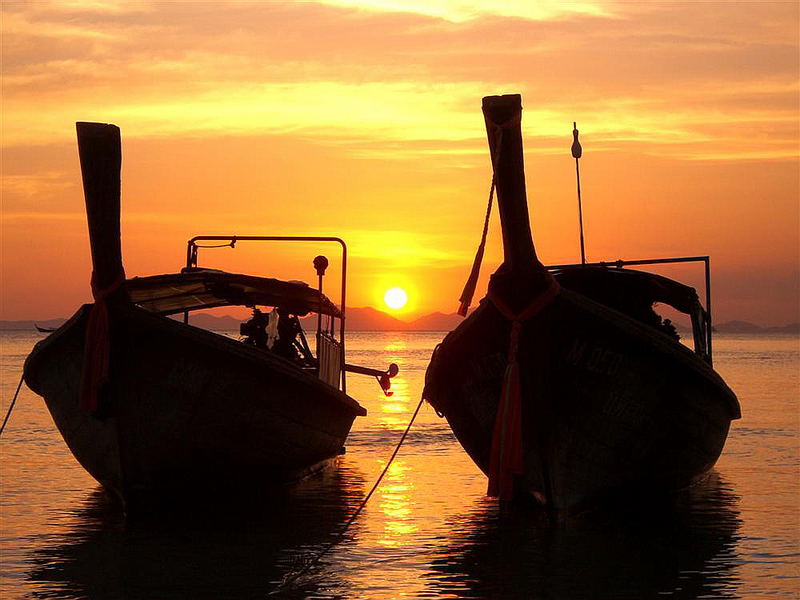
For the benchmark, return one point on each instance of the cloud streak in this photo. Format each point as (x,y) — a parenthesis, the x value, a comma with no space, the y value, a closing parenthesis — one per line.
(678,79)
(365,113)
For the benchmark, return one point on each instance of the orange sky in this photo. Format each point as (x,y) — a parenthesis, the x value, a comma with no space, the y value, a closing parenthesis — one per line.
(362,119)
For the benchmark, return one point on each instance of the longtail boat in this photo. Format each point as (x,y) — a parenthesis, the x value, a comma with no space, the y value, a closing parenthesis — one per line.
(564,385)
(161,412)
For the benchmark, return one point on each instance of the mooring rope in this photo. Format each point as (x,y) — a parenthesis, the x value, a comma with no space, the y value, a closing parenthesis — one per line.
(472,281)
(13,402)
(292,577)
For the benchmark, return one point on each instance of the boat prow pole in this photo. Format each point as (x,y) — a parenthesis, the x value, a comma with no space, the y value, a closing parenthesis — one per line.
(100,152)
(521,276)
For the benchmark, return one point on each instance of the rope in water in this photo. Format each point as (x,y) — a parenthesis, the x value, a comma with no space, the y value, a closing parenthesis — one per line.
(292,577)
(10,408)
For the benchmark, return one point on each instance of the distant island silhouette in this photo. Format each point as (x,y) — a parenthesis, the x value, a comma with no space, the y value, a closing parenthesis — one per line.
(371,319)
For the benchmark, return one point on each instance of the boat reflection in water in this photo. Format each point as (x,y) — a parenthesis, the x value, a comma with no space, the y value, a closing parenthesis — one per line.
(243,553)
(686,550)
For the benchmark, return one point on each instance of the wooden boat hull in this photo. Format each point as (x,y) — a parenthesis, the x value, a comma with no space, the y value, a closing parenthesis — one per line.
(188,413)
(609,405)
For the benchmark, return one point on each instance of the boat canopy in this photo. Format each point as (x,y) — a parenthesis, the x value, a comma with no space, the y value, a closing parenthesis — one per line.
(195,289)
(648,288)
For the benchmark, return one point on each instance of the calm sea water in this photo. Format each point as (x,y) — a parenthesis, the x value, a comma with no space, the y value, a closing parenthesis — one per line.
(429,531)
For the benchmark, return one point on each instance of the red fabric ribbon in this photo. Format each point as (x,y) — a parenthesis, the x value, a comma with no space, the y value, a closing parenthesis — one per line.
(97,348)
(506,459)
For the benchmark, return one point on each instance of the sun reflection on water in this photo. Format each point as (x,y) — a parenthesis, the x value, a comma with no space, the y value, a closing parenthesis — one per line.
(396,345)
(395,493)
(396,404)
(395,504)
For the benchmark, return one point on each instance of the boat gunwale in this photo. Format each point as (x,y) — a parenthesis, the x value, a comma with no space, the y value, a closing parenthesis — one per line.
(658,340)
(202,336)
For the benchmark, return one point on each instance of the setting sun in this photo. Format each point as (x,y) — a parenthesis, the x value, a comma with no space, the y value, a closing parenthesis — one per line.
(395,298)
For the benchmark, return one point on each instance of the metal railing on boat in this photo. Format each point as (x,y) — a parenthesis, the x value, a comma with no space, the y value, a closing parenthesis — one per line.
(192,248)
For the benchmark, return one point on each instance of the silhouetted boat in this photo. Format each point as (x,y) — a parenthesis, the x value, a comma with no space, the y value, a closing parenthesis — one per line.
(159,411)
(44,329)
(566,386)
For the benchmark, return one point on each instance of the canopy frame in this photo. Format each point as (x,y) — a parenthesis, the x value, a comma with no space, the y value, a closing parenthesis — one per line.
(193,247)
(704,322)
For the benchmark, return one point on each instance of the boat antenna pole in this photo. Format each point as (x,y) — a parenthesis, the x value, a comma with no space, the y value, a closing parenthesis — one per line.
(577,152)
